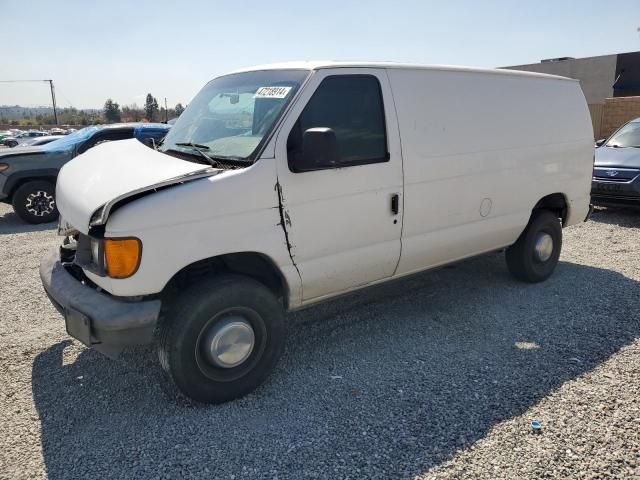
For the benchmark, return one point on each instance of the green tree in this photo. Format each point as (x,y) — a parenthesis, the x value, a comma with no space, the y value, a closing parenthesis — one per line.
(132,113)
(111,111)
(179,109)
(150,107)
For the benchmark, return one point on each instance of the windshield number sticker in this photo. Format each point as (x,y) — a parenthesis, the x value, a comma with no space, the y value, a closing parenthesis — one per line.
(272,92)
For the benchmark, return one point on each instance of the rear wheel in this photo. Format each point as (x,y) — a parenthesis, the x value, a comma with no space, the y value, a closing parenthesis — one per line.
(34,202)
(222,338)
(534,256)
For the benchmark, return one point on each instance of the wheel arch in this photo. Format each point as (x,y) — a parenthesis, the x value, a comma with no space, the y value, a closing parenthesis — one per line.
(18,179)
(555,202)
(255,265)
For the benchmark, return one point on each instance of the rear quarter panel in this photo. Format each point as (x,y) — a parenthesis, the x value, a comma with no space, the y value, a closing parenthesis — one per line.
(473,137)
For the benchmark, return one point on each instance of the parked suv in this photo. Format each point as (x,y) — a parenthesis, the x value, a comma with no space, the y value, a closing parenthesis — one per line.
(282,186)
(616,172)
(28,175)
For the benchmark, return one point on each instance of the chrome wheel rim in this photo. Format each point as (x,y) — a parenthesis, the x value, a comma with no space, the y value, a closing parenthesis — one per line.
(40,203)
(229,343)
(543,247)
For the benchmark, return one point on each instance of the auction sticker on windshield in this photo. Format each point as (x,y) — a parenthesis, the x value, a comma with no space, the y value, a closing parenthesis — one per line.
(272,92)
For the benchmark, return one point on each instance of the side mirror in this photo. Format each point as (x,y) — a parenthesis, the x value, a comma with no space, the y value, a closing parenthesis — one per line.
(319,149)
(600,142)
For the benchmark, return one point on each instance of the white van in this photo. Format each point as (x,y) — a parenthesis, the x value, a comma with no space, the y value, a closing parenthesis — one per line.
(284,185)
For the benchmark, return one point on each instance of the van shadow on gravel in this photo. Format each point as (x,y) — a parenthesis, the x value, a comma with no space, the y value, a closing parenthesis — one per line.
(10,223)
(388,382)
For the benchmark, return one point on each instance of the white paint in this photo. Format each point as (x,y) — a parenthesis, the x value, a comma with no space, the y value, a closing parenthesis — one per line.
(109,170)
(457,137)
(342,228)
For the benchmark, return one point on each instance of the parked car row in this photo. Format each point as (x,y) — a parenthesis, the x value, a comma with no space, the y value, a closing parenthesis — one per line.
(28,174)
(15,137)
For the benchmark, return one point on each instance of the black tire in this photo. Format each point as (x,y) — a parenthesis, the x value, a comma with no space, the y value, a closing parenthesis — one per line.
(198,311)
(523,261)
(34,202)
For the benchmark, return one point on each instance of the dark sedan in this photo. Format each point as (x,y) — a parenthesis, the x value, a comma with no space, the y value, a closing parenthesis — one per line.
(616,172)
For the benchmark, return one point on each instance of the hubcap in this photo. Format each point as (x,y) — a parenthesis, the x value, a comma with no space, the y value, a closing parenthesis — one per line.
(543,246)
(40,203)
(229,342)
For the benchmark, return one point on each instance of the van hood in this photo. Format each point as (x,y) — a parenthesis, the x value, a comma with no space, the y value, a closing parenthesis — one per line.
(92,184)
(617,157)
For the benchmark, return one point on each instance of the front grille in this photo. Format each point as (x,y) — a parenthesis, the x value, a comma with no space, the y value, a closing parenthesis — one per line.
(615,174)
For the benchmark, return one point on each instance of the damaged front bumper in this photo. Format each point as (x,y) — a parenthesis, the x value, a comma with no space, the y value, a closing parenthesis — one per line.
(98,320)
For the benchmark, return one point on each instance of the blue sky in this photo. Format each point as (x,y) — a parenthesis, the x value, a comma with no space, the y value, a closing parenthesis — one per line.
(124,49)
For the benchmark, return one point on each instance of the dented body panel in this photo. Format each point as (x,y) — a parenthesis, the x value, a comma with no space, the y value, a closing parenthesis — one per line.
(235,211)
(342,231)
(112,171)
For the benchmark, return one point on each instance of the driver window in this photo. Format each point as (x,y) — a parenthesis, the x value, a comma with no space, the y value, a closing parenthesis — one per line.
(350,105)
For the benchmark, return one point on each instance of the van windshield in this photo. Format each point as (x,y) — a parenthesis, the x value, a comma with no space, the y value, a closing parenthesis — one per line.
(231,116)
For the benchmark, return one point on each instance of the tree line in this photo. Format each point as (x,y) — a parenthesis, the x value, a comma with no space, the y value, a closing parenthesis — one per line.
(151,111)
(112,112)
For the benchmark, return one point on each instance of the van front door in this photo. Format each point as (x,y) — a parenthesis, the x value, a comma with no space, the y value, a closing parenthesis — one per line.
(342,210)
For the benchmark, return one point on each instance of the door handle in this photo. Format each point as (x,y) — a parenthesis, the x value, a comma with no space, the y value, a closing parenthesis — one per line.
(395,203)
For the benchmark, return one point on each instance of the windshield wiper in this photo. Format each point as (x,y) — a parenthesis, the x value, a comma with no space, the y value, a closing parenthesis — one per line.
(190,144)
(231,161)
(196,147)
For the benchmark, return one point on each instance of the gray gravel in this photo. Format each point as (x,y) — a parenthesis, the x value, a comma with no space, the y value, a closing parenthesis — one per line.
(437,376)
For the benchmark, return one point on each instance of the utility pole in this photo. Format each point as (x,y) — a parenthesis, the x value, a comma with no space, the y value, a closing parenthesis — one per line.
(53,99)
(166,112)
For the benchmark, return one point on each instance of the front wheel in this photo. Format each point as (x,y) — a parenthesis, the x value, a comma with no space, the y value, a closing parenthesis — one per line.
(221,338)
(534,256)
(34,202)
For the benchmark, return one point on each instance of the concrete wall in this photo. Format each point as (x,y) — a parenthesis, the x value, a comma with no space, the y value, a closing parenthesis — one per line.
(596,74)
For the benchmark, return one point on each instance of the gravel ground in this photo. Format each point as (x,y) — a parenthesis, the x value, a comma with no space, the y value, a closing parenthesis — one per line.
(437,376)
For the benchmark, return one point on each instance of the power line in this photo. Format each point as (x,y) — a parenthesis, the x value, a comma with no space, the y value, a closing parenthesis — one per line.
(22,81)
(53,93)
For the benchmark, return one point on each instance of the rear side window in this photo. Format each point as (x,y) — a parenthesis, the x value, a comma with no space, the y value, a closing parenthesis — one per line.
(108,136)
(350,105)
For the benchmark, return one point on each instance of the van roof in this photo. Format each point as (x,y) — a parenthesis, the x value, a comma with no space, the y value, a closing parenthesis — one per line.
(318,65)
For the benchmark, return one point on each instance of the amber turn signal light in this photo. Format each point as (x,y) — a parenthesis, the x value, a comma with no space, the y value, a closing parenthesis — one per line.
(122,256)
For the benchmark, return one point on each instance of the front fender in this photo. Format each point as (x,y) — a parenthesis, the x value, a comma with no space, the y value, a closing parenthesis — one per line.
(234,212)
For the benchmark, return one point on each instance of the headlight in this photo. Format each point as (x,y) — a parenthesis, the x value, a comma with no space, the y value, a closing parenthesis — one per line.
(3,167)
(121,256)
